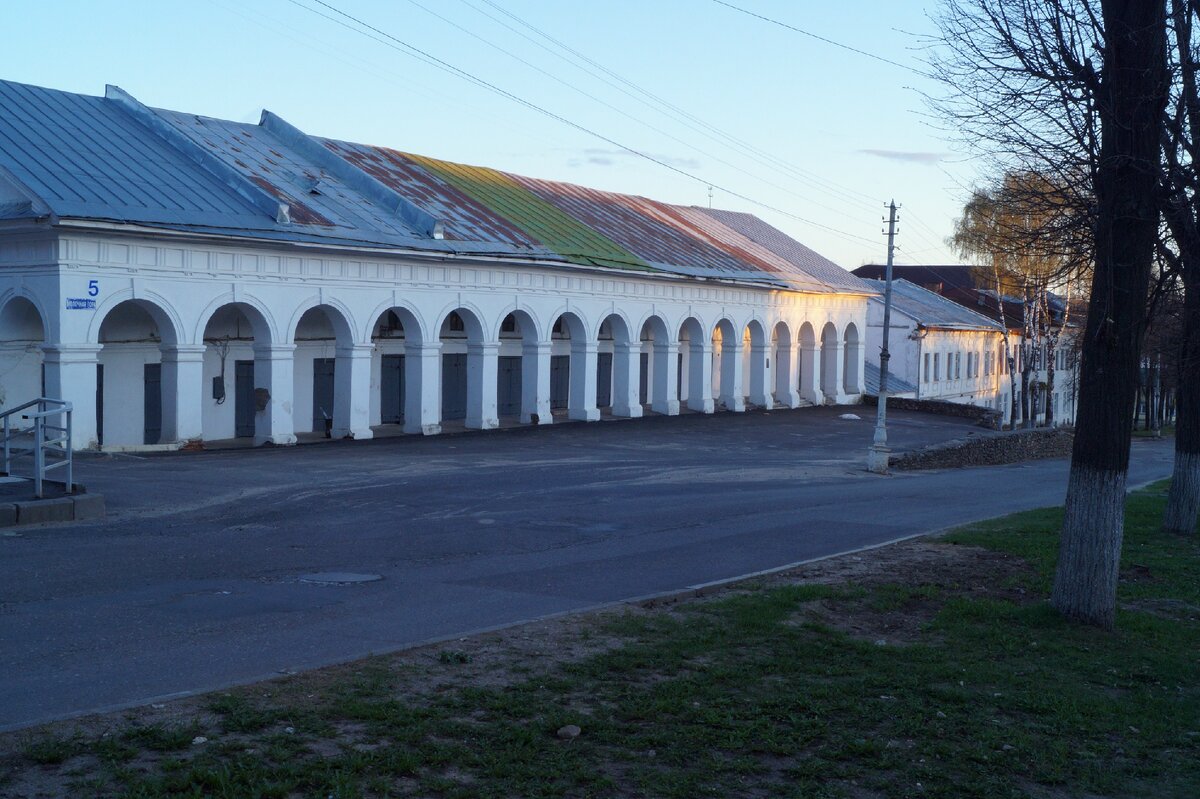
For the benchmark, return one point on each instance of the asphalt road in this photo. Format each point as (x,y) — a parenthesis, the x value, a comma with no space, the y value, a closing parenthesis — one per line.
(194,583)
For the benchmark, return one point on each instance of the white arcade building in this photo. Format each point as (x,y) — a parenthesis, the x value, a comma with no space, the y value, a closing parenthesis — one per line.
(182,279)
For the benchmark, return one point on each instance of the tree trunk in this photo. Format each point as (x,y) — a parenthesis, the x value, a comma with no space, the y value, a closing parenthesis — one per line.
(1131,101)
(1183,499)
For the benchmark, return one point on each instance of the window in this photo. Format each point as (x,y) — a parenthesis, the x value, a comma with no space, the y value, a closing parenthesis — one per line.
(927,367)
(455,322)
(937,367)
(509,325)
(957,366)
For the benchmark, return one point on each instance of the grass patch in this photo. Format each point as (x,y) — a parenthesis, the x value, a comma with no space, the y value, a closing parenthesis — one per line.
(935,671)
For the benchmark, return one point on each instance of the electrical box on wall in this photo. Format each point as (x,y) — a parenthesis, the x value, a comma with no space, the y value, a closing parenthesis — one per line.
(218,391)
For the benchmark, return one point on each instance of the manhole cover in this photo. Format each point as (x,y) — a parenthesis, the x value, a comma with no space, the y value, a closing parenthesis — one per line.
(339,578)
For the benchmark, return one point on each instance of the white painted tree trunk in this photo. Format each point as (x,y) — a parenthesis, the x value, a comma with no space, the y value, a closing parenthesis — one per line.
(1183,500)
(1089,554)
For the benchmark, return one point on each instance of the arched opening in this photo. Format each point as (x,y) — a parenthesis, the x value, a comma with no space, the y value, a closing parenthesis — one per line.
(661,368)
(573,364)
(852,366)
(325,364)
(756,366)
(728,346)
(130,376)
(518,368)
(696,348)
(468,381)
(401,375)
(22,360)
(247,386)
(618,368)
(22,335)
(784,377)
(831,363)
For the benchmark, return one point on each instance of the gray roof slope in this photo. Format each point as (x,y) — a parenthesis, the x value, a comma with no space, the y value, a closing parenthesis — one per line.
(895,384)
(73,156)
(788,248)
(931,309)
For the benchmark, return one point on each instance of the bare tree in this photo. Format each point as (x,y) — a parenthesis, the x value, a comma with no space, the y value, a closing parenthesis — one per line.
(1027,91)
(1181,211)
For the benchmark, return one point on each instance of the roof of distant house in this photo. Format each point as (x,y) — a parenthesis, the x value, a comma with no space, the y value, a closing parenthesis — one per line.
(111,159)
(931,309)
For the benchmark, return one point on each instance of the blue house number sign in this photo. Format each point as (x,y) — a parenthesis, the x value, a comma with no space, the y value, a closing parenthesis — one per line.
(87,303)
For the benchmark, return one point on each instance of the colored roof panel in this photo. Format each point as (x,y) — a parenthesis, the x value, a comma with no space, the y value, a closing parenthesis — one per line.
(113,159)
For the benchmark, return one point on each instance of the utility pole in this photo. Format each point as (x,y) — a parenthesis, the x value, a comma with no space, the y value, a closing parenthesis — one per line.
(877,456)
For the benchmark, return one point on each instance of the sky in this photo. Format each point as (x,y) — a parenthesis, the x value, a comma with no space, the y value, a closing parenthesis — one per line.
(811,137)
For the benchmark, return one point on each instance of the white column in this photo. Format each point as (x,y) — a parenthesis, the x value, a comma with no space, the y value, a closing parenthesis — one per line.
(760,390)
(666,378)
(857,354)
(273,370)
(731,376)
(832,362)
(352,391)
(423,387)
(71,376)
(582,404)
(810,374)
(182,392)
(700,360)
(627,373)
(482,365)
(535,383)
(786,361)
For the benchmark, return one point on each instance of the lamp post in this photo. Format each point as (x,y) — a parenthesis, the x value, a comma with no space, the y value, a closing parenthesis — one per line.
(878,454)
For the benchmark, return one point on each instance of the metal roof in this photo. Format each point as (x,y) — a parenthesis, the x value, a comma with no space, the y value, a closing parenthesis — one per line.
(807,261)
(896,385)
(65,155)
(931,309)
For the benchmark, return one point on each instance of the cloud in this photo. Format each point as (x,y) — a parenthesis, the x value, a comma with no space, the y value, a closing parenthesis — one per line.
(911,156)
(594,156)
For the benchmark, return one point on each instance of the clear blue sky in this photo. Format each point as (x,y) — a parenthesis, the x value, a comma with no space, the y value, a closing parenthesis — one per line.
(852,132)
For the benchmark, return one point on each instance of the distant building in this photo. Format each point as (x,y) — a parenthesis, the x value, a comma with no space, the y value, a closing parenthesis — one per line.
(941,349)
(179,278)
(968,287)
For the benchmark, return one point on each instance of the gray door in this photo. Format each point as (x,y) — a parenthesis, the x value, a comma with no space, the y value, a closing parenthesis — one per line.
(243,398)
(152,418)
(454,386)
(644,379)
(604,379)
(560,381)
(100,404)
(508,386)
(391,390)
(322,410)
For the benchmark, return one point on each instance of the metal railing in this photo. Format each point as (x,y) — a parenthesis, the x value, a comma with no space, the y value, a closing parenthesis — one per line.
(49,445)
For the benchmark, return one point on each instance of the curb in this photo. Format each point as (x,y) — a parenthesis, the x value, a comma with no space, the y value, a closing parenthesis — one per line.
(75,508)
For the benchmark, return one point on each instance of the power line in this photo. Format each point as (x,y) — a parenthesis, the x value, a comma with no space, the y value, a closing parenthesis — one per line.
(667,108)
(820,38)
(575,88)
(438,63)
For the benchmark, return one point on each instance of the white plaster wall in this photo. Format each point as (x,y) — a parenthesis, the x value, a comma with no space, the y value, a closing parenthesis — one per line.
(190,280)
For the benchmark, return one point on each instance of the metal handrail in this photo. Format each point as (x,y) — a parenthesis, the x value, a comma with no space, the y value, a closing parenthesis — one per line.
(58,446)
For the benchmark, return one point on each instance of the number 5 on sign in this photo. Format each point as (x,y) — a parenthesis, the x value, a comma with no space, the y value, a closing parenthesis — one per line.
(93,288)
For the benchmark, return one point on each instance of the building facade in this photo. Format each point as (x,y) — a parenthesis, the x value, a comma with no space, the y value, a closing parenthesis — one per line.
(182,279)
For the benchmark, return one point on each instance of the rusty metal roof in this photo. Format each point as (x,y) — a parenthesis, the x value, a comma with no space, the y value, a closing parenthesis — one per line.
(75,156)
